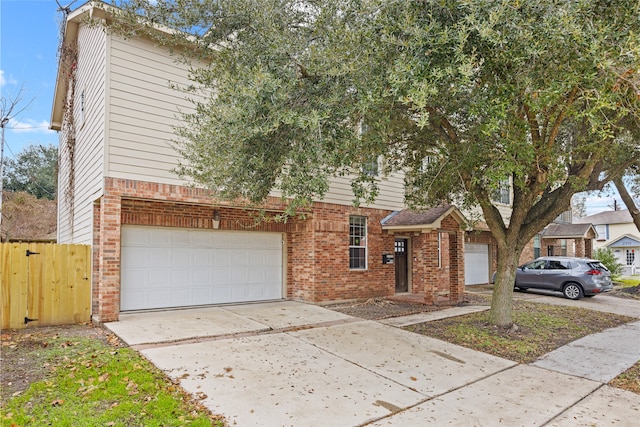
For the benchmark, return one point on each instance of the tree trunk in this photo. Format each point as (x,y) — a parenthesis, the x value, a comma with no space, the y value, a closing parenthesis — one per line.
(502,300)
(628,200)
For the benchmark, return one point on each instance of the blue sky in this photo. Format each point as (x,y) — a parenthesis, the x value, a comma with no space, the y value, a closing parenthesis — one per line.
(28,44)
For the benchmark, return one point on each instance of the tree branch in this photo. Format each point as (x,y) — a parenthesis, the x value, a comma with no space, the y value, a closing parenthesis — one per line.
(628,200)
(533,124)
(558,122)
(441,124)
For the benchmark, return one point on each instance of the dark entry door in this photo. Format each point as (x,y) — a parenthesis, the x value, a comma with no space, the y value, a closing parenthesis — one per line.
(402,282)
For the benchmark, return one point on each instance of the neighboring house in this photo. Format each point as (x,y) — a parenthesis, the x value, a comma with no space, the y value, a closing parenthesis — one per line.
(616,230)
(159,242)
(561,238)
(568,240)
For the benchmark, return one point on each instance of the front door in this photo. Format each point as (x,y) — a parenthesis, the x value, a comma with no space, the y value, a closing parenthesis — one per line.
(402,282)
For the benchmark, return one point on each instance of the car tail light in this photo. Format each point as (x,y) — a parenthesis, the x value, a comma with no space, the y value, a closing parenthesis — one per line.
(593,272)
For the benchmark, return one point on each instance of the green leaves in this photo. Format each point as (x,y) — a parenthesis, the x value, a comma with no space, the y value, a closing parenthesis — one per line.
(33,171)
(537,93)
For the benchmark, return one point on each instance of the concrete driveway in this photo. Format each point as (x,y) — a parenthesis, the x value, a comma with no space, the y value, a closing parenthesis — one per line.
(295,364)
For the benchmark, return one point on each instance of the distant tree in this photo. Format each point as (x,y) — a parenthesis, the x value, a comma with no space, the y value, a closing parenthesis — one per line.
(464,97)
(579,206)
(34,171)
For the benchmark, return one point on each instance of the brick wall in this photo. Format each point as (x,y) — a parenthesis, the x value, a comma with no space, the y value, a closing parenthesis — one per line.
(438,264)
(317,246)
(334,280)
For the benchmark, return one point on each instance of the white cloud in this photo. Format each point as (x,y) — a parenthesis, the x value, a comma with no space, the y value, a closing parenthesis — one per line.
(29,126)
(4,81)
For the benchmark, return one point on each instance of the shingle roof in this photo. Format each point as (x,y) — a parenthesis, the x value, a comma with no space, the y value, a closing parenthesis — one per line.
(607,217)
(567,231)
(423,218)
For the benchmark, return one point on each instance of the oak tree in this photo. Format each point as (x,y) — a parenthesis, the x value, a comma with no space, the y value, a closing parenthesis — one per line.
(465,97)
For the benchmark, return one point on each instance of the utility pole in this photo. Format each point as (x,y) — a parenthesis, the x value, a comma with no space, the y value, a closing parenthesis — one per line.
(3,123)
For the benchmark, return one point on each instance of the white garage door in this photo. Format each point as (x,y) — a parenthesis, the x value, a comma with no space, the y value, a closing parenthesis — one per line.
(476,264)
(168,267)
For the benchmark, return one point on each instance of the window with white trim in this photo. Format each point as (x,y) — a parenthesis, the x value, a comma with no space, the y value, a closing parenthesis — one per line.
(601,230)
(357,243)
(371,168)
(503,194)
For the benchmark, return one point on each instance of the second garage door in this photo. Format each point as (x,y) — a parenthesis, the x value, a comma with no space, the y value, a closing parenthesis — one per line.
(168,267)
(476,264)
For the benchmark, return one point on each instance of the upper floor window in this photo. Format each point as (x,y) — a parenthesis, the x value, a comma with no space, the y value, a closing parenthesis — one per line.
(601,230)
(371,167)
(503,193)
(358,243)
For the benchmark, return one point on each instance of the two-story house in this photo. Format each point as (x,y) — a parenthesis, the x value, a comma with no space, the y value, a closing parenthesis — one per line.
(616,231)
(160,242)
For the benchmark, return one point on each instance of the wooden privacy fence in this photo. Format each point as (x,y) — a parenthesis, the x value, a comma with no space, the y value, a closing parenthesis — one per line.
(44,284)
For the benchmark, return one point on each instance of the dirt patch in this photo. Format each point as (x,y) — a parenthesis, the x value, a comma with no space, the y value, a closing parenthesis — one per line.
(628,380)
(22,358)
(382,308)
(538,329)
(629,292)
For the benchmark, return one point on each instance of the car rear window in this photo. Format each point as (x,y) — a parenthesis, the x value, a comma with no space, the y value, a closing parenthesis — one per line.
(597,266)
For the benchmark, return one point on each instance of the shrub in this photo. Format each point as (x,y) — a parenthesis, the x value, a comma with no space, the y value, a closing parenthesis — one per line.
(607,257)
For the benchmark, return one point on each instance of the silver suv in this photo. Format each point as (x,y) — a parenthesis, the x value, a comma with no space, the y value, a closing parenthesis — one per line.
(574,277)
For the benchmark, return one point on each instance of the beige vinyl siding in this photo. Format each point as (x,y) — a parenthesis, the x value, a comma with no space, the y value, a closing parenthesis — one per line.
(143,111)
(90,132)
(391,195)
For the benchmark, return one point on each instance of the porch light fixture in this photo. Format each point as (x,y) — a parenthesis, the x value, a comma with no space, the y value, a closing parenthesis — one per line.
(216,219)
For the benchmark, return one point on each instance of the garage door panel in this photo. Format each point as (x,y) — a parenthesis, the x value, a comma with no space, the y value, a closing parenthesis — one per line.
(164,267)
(201,257)
(221,258)
(154,257)
(161,238)
(158,279)
(476,262)
(136,237)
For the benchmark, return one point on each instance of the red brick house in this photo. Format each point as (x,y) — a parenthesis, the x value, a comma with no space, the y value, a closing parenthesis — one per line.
(159,242)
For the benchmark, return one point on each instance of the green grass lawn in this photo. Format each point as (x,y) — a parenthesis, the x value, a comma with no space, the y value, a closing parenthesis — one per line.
(88,382)
(541,329)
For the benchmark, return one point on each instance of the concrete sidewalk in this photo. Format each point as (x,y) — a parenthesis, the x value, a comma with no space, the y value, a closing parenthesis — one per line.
(580,369)
(295,364)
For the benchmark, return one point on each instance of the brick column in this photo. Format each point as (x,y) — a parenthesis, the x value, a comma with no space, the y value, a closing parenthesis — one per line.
(457,267)
(580,247)
(428,273)
(95,271)
(108,283)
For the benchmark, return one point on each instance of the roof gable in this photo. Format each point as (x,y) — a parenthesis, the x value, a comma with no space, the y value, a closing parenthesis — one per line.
(569,231)
(424,220)
(624,241)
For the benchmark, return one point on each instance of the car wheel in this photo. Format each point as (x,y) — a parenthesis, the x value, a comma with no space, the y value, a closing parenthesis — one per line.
(572,291)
